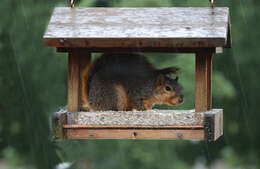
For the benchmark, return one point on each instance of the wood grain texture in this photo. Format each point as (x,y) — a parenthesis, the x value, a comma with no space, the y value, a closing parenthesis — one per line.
(73,81)
(135,134)
(210,129)
(213,124)
(138,27)
(77,62)
(203,81)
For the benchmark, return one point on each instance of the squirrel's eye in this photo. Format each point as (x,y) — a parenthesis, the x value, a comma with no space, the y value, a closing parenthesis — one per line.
(167,88)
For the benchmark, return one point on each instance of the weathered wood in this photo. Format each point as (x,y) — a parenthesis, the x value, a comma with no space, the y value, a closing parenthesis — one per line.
(78,60)
(138,27)
(203,81)
(131,50)
(169,124)
(59,119)
(81,31)
(213,124)
(136,134)
(73,81)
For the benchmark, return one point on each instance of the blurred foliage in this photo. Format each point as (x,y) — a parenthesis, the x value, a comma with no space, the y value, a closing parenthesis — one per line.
(33,84)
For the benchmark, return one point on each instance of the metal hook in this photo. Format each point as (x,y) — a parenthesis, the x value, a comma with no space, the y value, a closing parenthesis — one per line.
(212,3)
(72,3)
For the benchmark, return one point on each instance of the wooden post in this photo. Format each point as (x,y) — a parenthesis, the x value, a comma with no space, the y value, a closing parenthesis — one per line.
(76,60)
(73,82)
(203,81)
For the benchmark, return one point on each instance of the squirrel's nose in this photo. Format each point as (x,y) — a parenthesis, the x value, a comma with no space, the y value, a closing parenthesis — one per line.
(181,98)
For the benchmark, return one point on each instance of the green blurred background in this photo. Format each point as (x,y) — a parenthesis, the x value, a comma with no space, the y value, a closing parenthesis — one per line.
(33,85)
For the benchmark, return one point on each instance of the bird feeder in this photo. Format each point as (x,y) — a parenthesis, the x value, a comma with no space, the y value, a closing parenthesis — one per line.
(82,31)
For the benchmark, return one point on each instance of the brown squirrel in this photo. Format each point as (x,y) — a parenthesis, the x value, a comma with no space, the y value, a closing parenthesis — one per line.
(127,82)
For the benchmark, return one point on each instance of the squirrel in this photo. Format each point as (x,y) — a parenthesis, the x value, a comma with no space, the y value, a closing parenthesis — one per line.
(127,82)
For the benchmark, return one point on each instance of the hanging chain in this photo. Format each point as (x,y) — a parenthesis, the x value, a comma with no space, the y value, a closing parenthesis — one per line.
(72,3)
(212,3)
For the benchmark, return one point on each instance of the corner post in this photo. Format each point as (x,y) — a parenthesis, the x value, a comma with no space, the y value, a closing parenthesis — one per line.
(73,81)
(203,81)
(78,60)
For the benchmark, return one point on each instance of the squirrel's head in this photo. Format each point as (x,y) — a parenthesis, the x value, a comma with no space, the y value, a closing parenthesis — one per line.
(169,91)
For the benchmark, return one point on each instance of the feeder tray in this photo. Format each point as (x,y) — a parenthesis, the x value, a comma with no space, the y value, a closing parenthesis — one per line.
(81,31)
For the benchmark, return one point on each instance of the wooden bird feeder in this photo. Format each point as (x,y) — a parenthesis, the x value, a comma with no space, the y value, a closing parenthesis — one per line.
(81,31)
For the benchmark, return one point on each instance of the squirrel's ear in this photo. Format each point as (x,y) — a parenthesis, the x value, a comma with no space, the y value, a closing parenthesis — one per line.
(169,70)
(160,80)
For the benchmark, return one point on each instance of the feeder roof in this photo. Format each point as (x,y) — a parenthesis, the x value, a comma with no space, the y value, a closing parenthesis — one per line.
(138,28)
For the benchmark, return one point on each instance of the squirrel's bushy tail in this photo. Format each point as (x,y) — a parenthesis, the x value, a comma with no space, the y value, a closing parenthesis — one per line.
(85,78)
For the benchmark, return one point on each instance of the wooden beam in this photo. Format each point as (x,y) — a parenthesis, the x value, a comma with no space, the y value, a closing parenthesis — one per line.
(77,61)
(203,81)
(136,134)
(151,49)
(73,81)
